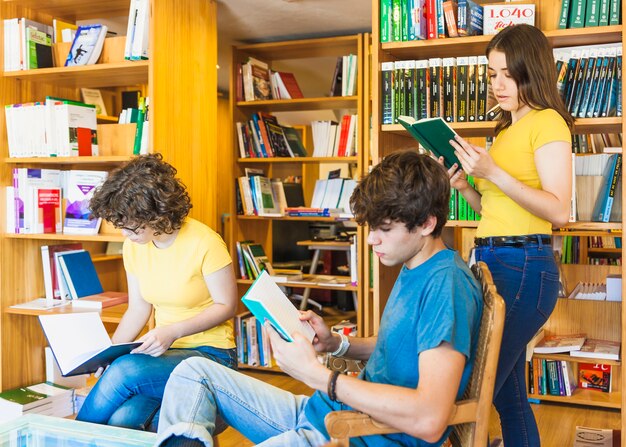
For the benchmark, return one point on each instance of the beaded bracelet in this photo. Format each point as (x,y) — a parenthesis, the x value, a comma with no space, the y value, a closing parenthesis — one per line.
(332,385)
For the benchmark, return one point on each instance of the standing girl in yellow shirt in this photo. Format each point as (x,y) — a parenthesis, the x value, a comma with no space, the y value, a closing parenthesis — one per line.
(523,189)
(176,266)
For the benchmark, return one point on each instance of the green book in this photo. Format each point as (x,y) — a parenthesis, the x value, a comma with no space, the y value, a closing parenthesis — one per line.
(593,10)
(603,18)
(564,14)
(435,135)
(577,14)
(614,12)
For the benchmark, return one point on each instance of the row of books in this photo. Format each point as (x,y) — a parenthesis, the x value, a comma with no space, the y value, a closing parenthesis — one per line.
(44,398)
(333,139)
(459,208)
(252,260)
(596,143)
(55,127)
(429,19)
(253,343)
(569,248)
(588,13)
(597,291)
(256,81)
(263,137)
(589,80)
(551,377)
(455,89)
(604,261)
(34,201)
(597,188)
(139,116)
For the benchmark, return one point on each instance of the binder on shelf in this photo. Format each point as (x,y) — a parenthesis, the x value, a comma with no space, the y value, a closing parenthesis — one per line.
(80,274)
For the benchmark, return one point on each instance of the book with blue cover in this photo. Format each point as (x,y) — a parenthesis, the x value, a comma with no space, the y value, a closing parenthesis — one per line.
(80,274)
(87,45)
(606,195)
(267,302)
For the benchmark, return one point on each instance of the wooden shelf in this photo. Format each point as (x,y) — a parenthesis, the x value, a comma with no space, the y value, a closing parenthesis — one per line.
(486,128)
(569,358)
(76,9)
(585,397)
(99,75)
(111,314)
(305,285)
(270,160)
(295,218)
(295,105)
(300,49)
(109,159)
(475,45)
(101,237)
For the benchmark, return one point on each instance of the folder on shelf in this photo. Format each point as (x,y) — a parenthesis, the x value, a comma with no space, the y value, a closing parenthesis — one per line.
(80,343)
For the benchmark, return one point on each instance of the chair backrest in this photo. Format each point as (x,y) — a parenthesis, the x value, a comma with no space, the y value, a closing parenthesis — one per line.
(471,414)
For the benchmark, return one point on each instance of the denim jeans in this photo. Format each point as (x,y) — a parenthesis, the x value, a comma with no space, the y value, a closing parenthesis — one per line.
(129,393)
(268,416)
(527,277)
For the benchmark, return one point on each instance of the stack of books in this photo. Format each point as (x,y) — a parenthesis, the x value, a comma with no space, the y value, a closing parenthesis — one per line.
(44,398)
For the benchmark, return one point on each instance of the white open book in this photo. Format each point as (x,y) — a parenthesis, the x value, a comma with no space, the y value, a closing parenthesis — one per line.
(80,343)
(268,303)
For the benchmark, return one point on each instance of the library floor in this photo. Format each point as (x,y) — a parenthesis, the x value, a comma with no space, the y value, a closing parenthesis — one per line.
(556,422)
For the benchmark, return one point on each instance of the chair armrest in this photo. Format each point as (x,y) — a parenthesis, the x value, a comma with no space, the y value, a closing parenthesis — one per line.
(348,424)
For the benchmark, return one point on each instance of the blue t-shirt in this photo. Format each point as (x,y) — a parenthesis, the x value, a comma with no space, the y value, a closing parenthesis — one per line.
(435,302)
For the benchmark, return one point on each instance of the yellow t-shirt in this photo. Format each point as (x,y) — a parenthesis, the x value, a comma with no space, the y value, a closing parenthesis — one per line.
(172,280)
(514,151)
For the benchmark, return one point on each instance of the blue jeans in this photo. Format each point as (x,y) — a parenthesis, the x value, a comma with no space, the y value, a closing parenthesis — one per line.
(528,279)
(129,393)
(268,416)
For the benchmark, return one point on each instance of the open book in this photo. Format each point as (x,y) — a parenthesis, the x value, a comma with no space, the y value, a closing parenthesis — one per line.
(435,135)
(268,303)
(80,343)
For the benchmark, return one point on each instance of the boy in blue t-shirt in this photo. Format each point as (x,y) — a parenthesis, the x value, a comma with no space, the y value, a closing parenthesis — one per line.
(418,365)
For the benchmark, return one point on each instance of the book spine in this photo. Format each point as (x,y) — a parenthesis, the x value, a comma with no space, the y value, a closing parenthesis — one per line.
(396,20)
(577,14)
(603,15)
(449,76)
(435,87)
(592,13)
(614,12)
(565,4)
(481,89)
(461,88)
(472,76)
(385,20)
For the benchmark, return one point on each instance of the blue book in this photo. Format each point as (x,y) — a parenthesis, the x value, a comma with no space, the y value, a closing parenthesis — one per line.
(604,201)
(267,302)
(80,274)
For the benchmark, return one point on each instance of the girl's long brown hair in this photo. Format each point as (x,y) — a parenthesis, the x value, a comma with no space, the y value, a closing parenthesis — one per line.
(530,62)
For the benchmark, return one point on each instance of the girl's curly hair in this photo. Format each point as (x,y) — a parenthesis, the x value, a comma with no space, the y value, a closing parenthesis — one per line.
(144,192)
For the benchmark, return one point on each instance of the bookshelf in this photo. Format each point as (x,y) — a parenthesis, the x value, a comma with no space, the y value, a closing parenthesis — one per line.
(299,56)
(597,319)
(185,132)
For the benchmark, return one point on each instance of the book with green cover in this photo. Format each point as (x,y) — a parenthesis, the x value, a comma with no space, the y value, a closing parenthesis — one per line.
(435,135)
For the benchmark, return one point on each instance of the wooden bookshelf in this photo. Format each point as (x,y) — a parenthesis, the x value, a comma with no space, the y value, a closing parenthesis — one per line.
(178,35)
(597,319)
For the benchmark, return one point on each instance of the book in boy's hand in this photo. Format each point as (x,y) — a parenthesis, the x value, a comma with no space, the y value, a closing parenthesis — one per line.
(268,303)
(435,135)
(80,343)
(560,343)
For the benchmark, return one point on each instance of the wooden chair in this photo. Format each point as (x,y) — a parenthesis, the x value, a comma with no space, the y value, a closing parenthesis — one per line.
(470,416)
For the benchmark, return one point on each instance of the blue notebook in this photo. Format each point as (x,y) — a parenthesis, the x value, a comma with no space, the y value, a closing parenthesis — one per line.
(80,274)
(268,303)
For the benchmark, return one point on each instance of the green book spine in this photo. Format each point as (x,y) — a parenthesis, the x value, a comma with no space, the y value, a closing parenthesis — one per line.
(462,208)
(138,132)
(452,204)
(614,12)
(404,17)
(577,14)
(385,21)
(565,4)
(396,20)
(591,16)
(603,15)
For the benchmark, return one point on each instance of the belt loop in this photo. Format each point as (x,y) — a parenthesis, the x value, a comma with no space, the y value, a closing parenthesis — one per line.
(539,241)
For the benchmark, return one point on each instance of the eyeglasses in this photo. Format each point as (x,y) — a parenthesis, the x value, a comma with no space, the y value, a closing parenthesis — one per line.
(137,230)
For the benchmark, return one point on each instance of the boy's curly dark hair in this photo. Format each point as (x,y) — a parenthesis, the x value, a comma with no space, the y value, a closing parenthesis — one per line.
(144,192)
(405,187)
